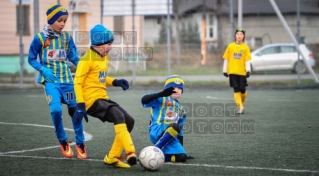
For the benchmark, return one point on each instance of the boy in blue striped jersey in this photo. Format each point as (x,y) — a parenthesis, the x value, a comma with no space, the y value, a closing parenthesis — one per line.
(167,119)
(55,48)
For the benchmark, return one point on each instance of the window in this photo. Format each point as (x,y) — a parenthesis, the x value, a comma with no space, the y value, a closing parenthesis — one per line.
(270,50)
(211,27)
(25,19)
(287,49)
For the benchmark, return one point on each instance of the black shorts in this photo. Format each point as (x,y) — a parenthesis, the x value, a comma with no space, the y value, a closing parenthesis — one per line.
(238,81)
(100,107)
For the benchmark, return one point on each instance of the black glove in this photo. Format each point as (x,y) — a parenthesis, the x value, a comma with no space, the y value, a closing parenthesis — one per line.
(150,97)
(167,92)
(247,74)
(80,113)
(121,83)
(225,74)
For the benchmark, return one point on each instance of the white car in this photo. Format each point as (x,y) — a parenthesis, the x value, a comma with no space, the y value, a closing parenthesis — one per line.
(280,56)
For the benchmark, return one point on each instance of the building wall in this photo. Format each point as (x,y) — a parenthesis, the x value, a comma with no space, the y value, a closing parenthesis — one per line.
(9,44)
(271,30)
(268,28)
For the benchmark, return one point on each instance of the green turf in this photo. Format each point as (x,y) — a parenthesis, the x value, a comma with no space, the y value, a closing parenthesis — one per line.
(281,142)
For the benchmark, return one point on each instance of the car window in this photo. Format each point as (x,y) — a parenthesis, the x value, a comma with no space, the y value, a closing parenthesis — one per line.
(287,49)
(270,50)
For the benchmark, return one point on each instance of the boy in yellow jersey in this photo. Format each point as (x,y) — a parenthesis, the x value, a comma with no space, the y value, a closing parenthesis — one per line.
(90,84)
(55,48)
(237,67)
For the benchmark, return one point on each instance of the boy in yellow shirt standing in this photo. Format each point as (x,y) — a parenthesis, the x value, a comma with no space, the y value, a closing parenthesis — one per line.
(90,85)
(237,67)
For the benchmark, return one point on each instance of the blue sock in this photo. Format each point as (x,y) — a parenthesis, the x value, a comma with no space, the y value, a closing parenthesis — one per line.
(169,134)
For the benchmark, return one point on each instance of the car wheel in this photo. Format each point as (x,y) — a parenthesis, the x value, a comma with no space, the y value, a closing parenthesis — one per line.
(252,68)
(302,67)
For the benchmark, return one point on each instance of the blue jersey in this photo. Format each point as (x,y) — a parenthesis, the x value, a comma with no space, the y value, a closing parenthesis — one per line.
(54,54)
(164,111)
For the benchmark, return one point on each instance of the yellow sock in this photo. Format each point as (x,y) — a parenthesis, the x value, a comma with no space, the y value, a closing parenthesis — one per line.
(243,97)
(173,159)
(125,137)
(117,148)
(238,101)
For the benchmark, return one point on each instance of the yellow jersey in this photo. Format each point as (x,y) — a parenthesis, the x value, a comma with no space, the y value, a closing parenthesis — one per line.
(91,80)
(237,55)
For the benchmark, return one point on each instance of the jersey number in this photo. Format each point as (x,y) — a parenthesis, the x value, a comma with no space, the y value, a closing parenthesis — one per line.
(69,96)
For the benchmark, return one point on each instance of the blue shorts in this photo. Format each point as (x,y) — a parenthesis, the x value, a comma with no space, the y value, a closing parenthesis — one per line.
(173,147)
(60,93)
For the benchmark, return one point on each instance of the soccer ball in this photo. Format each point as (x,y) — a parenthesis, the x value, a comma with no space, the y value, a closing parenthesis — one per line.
(151,158)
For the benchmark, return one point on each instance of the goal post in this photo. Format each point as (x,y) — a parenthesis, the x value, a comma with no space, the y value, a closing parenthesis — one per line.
(284,23)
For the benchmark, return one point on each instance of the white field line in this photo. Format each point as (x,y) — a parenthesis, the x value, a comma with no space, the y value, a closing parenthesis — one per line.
(86,135)
(179,164)
(267,99)
(89,137)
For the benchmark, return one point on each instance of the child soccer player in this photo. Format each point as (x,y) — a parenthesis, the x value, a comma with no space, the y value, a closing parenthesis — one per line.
(167,119)
(90,84)
(237,67)
(55,48)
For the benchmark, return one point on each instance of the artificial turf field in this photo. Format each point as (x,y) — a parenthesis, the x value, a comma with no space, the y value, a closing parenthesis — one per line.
(279,140)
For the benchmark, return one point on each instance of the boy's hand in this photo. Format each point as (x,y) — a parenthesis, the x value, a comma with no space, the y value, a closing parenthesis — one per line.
(247,74)
(121,83)
(80,113)
(48,74)
(225,74)
(167,92)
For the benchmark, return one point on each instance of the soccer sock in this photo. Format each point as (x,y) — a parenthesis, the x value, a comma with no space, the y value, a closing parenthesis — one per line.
(169,134)
(238,101)
(125,137)
(170,158)
(182,157)
(117,148)
(243,97)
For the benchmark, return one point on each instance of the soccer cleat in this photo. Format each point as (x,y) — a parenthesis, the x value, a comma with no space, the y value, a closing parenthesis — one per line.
(240,111)
(81,151)
(131,158)
(115,162)
(66,149)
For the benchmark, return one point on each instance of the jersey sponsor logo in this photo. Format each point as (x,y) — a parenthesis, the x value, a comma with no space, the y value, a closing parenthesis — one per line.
(171,116)
(102,77)
(57,55)
(169,103)
(47,42)
(237,55)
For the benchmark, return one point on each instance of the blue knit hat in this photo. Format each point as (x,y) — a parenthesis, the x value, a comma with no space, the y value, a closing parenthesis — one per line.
(174,81)
(54,12)
(100,35)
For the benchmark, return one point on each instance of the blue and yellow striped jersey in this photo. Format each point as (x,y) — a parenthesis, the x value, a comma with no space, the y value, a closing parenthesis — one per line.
(53,54)
(166,110)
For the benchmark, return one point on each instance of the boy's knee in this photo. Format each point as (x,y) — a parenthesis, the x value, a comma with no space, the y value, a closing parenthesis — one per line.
(175,126)
(130,124)
(72,111)
(236,89)
(56,109)
(116,115)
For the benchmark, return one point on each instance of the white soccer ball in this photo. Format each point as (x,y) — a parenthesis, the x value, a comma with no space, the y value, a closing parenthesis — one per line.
(151,158)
